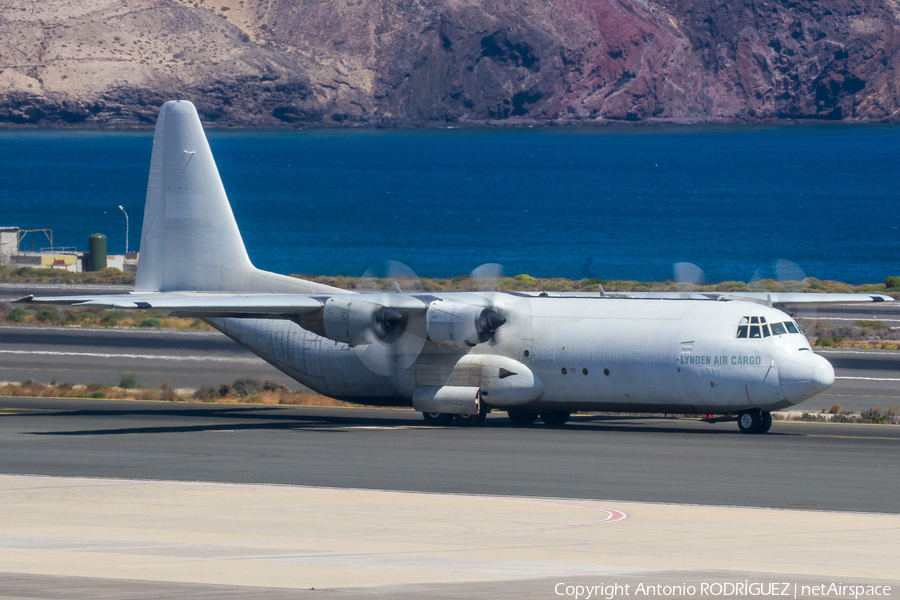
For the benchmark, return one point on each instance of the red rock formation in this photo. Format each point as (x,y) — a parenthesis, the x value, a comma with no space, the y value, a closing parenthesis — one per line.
(283,62)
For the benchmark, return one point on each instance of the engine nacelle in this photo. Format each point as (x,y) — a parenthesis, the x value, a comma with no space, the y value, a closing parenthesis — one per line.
(461,324)
(353,321)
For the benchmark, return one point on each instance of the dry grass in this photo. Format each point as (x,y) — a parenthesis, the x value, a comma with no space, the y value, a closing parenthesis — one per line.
(230,394)
(94,317)
(41,275)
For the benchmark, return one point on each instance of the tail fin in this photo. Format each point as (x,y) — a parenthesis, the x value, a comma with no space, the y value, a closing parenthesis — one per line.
(190,240)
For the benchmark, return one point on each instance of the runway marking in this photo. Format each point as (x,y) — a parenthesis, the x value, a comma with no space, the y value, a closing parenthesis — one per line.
(849,437)
(192,357)
(872,378)
(894,353)
(854,320)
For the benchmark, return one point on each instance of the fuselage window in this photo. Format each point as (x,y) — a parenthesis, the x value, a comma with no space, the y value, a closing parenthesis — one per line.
(778,329)
(791,327)
(754,331)
(742,331)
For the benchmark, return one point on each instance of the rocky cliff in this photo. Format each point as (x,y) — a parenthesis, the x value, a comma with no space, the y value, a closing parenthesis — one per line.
(289,62)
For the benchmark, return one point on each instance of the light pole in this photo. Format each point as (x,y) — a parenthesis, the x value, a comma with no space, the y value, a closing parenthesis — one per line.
(126,228)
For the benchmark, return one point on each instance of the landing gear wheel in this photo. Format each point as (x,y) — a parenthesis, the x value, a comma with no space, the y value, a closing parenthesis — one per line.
(766,423)
(521,418)
(555,418)
(750,421)
(437,419)
(473,420)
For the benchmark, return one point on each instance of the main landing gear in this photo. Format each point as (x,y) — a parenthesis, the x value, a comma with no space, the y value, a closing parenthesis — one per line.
(437,419)
(444,419)
(754,421)
(519,417)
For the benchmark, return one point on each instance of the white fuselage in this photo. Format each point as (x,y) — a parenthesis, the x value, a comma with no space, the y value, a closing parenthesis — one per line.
(590,353)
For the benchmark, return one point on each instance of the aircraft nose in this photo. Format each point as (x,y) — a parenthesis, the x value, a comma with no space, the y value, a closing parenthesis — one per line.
(803,375)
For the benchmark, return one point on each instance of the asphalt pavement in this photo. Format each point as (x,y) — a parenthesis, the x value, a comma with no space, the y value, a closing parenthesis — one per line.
(797,465)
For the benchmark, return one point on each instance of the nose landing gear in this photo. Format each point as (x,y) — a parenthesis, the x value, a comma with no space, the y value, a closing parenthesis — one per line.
(754,421)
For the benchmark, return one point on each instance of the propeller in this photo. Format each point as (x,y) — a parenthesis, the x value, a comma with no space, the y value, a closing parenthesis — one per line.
(487,277)
(387,276)
(399,332)
(688,276)
(786,271)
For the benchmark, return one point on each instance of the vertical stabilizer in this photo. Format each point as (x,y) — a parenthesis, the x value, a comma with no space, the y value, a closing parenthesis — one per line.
(190,240)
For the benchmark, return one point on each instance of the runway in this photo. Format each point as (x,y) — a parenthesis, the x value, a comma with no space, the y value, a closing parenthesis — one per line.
(798,465)
(136,499)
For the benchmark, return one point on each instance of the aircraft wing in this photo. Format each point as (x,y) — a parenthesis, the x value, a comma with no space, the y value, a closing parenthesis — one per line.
(200,305)
(189,304)
(779,298)
(775,298)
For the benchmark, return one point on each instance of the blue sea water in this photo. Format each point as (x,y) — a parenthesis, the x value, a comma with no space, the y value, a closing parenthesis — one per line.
(610,203)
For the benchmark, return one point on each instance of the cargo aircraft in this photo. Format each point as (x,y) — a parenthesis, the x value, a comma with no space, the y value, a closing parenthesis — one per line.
(457,356)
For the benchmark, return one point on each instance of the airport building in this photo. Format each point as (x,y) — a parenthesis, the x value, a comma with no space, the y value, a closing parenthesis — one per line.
(14,253)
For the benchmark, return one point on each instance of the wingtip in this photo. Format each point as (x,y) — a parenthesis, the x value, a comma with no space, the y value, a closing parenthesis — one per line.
(24,300)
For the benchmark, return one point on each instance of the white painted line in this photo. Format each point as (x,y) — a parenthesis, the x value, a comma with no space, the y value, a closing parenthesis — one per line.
(872,378)
(894,353)
(883,320)
(237,359)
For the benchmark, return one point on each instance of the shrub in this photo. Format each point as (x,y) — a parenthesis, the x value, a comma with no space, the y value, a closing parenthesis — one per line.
(48,314)
(825,341)
(128,381)
(246,386)
(112,317)
(526,279)
(872,324)
(271,386)
(149,322)
(168,394)
(892,282)
(17,314)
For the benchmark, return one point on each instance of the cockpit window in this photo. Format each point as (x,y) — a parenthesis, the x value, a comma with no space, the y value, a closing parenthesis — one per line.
(756,328)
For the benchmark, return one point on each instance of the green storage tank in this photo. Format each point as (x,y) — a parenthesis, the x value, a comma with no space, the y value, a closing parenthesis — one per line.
(97,248)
